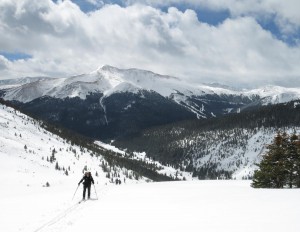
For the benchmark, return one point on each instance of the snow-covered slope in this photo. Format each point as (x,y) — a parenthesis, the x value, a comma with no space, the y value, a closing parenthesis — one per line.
(32,151)
(211,206)
(32,156)
(11,83)
(141,156)
(225,147)
(235,151)
(274,94)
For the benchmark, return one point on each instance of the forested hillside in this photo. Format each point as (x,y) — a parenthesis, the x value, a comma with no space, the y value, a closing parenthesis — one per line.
(110,163)
(226,147)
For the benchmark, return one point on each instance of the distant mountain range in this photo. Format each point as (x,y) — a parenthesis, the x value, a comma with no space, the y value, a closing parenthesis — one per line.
(212,130)
(110,102)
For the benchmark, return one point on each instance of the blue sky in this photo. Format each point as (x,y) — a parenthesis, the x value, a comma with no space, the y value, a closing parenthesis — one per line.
(12,56)
(234,42)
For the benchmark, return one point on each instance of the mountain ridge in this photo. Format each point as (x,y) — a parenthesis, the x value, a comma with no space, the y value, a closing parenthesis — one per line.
(121,102)
(107,78)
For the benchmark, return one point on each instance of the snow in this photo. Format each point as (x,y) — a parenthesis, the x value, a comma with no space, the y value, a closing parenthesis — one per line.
(121,88)
(109,80)
(109,147)
(27,206)
(275,94)
(142,156)
(234,150)
(25,202)
(27,148)
(18,131)
(9,83)
(208,206)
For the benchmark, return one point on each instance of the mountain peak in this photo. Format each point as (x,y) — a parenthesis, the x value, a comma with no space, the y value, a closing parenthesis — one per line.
(107,68)
(134,71)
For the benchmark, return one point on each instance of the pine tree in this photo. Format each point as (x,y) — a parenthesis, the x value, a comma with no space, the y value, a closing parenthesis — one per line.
(272,172)
(280,167)
(57,166)
(297,163)
(291,156)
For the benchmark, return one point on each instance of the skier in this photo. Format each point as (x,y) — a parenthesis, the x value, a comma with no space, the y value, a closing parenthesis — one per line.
(87,180)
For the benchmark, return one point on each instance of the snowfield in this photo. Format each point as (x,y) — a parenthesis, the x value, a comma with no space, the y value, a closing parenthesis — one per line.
(25,168)
(28,206)
(209,206)
(141,156)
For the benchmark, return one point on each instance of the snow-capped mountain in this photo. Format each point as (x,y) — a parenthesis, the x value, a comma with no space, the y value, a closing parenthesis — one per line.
(109,80)
(10,83)
(120,102)
(274,94)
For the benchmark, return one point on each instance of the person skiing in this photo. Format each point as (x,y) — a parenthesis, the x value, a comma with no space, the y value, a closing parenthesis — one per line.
(87,180)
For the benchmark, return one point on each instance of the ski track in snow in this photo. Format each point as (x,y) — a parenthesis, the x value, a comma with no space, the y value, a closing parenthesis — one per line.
(67,216)
(210,206)
(58,217)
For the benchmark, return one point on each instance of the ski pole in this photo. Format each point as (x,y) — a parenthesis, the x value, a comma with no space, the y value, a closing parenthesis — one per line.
(75,192)
(95,191)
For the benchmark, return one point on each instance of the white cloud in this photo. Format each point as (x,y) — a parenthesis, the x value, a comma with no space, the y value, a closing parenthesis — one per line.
(63,40)
(4,63)
(286,13)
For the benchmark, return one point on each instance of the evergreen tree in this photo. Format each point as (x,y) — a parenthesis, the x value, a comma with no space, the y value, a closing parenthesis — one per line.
(272,172)
(291,156)
(57,166)
(280,167)
(297,163)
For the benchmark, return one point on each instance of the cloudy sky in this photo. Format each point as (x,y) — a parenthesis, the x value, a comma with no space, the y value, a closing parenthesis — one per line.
(235,42)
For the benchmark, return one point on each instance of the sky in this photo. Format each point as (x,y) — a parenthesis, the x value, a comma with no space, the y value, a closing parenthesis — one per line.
(235,42)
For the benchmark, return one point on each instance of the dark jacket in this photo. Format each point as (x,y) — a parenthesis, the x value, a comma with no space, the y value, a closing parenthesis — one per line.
(87,180)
